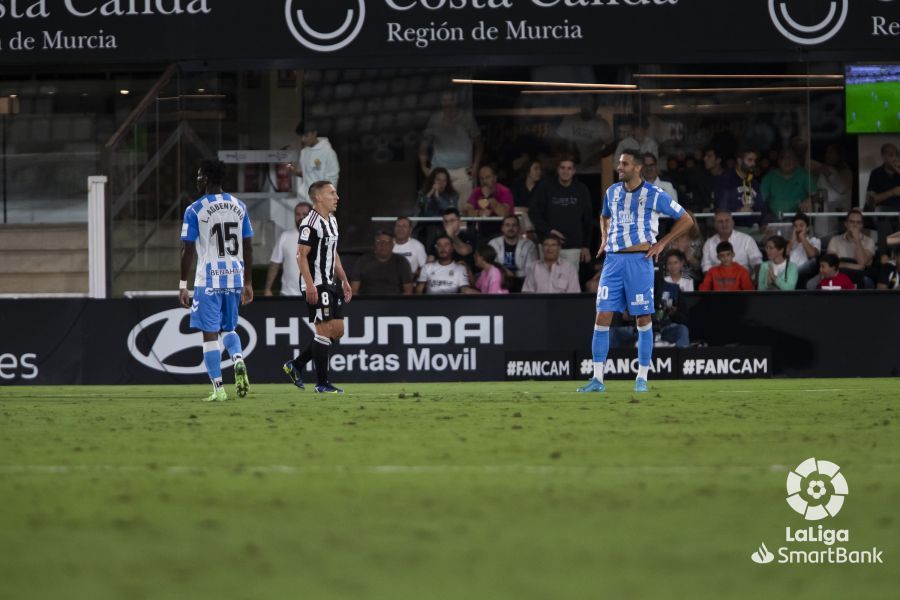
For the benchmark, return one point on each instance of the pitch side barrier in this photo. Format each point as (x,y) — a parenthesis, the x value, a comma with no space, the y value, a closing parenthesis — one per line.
(433,338)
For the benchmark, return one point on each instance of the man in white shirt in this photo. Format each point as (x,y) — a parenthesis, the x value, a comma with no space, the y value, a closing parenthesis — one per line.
(284,256)
(411,249)
(746,251)
(513,251)
(650,173)
(443,276)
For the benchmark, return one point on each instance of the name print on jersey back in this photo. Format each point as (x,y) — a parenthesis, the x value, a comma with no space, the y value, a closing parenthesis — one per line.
(218,224)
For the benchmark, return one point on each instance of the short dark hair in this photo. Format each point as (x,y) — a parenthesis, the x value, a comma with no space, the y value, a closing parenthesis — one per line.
(314,188)
(442,237)
(450,210)
(649,155)
(553,237)
(830,259)
(677,254)
(724,247)
(801,216)
(306,127)
(852,211)
(635,152)
(714,150)
(566,158)
(214,171)
(510,216)
(407,219)
(747,150)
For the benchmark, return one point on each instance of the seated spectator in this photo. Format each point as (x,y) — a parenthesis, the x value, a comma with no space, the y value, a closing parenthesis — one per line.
(284,256)
(854,248)
(804,249)
(650,173)
(491,278)
(671,318)
(382,271)
(746,252)
(437,194)
(523,189)
(737,190)
(675,271)
(831,277)
(490,199)
(691,248)
(443,276)
(787,189)
(889,276)
(777,273)
(550,275)
(460,239)
(728,275)
(834,181)
(703,181)
(516,253)
(409,248)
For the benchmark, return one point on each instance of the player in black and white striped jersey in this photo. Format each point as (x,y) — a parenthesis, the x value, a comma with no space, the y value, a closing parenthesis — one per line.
(320,273)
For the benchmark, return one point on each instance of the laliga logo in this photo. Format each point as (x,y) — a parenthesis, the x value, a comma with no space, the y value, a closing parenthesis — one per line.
(171,341)
(809,34)
(816,489)
(327,41)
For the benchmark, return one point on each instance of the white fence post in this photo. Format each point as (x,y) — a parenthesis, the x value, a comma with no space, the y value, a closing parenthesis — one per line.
(97,236)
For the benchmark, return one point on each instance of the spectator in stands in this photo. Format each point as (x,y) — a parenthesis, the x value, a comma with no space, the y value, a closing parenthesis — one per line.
(492,278)
(737,190)
(551,274)
(883,189)
(787,189)
(804,249)
(703,181)
(675,260)
(523,193)
(515,252)
(454,141)
(453,228)
(855,249)
(437,194)
(777,273)
(408,247)
(671,317)
(443,275)
(691,248)
(562,208)
(830,277)
(490,199)
(728,275)
(317,161)
(636,133)
(284,256)
(889,276)
(382,271)
(834,181)
(746,252)
(650,173)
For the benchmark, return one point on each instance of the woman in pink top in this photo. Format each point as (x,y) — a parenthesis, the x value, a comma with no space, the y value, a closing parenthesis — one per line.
(491,280)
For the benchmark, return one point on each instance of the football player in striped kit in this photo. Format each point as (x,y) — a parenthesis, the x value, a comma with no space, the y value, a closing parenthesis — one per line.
(320,272)
(629,223)
(217,230)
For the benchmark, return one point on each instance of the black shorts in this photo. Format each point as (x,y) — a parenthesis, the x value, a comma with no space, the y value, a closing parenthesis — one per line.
(330,305)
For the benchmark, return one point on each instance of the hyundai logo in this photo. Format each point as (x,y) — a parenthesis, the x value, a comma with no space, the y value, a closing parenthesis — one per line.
(163,342)
(323,41)
(809,35)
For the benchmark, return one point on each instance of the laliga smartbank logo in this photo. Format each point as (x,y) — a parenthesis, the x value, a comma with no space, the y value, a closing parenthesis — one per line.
(808,34)
(816,490)
(305,27)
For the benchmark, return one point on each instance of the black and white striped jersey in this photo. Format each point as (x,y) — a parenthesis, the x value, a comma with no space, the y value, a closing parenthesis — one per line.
(321,235)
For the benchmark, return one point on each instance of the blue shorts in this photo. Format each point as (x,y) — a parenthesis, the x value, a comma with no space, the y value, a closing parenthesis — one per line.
(626,282)
(215,310)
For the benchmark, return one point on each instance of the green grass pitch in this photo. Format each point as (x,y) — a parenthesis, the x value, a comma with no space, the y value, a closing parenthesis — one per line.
(465,490)
(873,107)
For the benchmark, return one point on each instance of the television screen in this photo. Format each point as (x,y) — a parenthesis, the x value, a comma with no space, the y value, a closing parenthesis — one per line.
(873,98)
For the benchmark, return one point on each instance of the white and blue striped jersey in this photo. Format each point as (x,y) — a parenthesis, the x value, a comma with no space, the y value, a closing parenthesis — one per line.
(218,224)
(634,216)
